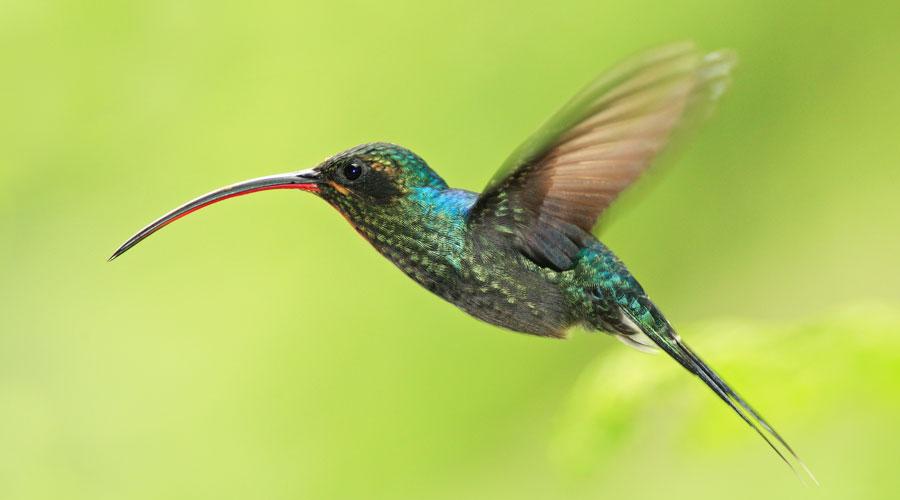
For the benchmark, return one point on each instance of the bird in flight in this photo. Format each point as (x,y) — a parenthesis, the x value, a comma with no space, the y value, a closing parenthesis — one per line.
(521,254)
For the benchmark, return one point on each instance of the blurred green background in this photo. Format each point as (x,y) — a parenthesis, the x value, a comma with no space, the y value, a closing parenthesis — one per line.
(261,349)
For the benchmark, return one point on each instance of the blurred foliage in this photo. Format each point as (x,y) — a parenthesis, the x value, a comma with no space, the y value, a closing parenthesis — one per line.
(642,411)
(260,349)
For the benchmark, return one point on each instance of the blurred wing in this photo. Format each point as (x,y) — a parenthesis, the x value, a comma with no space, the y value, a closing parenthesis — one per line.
(551,190)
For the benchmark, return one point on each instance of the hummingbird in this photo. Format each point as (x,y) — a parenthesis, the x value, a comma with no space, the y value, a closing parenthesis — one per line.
(522,254)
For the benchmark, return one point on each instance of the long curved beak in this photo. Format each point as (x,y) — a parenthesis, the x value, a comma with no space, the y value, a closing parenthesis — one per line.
(305,180)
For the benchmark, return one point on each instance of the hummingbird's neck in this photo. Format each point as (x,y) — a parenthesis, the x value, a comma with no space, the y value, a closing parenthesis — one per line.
(423,233)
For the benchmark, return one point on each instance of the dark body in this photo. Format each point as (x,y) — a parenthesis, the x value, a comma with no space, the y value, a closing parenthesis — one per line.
(465,260)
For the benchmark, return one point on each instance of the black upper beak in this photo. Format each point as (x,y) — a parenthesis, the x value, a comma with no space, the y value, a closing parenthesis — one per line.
(305,180)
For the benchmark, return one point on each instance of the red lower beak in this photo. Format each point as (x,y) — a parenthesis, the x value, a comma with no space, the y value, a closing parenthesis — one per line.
(306,180)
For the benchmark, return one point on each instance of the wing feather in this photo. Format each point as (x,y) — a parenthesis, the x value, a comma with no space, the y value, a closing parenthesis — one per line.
(568,172)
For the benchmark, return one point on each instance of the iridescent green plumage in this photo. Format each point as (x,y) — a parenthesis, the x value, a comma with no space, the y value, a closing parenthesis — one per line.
(521,254)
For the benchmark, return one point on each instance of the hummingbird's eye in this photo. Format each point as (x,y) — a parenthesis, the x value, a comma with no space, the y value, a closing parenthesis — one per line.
(352,171)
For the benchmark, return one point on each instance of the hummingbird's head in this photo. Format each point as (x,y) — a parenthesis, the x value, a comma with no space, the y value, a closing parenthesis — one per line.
(362,180)
(370,175)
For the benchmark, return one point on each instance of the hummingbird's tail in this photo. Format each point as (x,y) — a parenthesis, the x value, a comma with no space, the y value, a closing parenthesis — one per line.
(670,342)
